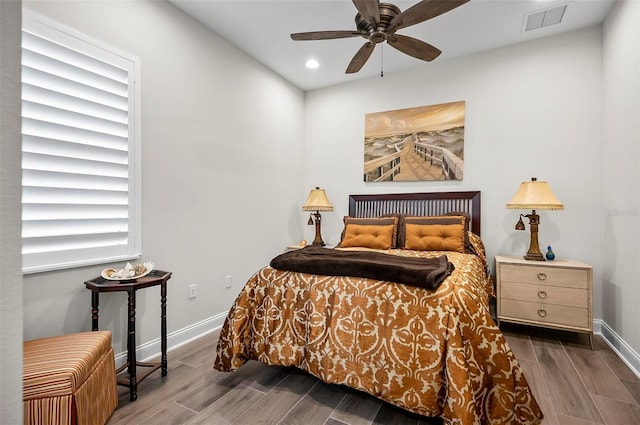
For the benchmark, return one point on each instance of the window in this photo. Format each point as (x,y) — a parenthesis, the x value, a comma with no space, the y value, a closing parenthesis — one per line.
(80,150)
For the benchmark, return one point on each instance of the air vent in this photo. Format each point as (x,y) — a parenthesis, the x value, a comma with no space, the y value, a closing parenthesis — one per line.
(544,18)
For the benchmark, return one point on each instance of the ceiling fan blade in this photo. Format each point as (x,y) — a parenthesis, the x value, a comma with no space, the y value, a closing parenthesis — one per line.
(360,58)
(324,35)
(414,47)
(369,11)
(423,11)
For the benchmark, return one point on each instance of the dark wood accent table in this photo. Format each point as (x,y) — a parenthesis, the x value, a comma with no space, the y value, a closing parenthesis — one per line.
(156,277)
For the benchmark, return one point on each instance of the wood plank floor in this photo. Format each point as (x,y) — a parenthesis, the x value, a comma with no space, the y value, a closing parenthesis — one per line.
(573,384)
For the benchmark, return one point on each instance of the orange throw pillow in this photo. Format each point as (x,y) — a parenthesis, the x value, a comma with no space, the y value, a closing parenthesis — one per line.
(368,236)
(446,233)
(373,222)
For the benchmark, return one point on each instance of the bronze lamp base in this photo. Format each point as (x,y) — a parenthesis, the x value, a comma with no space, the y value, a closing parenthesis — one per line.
(534,247)
(317,241)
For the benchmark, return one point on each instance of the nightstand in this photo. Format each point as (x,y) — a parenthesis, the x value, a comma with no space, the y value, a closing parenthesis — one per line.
(551,294)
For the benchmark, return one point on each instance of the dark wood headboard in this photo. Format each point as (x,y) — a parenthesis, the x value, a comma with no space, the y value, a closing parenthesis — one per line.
(420,204)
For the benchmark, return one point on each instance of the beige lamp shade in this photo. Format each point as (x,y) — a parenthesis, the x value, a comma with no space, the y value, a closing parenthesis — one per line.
(317,201)
(535,195)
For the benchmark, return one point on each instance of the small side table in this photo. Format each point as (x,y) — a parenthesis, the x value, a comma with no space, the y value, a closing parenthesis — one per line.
(156,277)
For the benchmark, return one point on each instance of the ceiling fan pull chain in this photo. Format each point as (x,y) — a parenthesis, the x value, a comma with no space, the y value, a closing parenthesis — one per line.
(381,60)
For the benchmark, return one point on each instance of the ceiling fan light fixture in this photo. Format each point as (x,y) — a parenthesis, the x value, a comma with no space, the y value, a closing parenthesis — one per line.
(312,64)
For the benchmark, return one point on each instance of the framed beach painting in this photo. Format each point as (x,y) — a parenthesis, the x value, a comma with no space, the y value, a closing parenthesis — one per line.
(415,144)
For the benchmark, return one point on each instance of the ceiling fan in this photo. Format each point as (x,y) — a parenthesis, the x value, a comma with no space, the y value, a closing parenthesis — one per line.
(378,22)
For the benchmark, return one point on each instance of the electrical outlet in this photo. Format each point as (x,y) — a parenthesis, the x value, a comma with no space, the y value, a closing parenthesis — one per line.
(192,291)
(228,281)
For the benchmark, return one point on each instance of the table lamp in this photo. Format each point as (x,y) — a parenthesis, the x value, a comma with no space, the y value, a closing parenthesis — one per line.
(534,195)
(317,201)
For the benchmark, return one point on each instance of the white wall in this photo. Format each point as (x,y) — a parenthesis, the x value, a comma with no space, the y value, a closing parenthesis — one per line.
(621,178)
(10,194)
(222,142)
(534,109)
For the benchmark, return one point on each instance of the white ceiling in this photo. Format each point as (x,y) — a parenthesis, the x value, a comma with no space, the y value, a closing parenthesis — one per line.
(262,29)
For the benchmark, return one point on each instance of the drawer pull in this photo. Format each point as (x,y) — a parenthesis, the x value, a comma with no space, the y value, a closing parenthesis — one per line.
(542,276)
(542,312)
(542,294)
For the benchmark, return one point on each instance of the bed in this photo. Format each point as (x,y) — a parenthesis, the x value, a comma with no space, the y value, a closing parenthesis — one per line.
(430,349)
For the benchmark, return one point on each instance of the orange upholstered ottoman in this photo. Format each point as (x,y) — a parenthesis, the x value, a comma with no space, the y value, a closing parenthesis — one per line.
(69,379)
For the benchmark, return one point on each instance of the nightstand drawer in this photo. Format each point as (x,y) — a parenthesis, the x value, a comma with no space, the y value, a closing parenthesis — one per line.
(541,275)
(538,313)
(558,295)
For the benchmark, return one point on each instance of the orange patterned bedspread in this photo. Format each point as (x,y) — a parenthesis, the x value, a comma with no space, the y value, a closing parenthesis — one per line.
(435,353)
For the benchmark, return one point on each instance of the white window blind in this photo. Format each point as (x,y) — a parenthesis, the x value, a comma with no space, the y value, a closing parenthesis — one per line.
(80,159)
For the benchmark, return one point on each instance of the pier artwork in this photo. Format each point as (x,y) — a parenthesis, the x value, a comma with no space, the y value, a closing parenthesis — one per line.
(416,144)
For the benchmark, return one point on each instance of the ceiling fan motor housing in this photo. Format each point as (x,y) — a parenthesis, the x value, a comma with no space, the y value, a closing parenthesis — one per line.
(377,33)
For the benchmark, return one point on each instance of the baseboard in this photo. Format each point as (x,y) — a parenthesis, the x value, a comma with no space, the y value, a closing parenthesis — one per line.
(175,339)
(628,355)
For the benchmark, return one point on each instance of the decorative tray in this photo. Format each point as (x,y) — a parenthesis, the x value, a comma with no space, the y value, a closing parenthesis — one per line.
(129,272)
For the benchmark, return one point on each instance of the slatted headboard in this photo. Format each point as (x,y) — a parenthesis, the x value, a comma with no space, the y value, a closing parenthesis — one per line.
(419,204)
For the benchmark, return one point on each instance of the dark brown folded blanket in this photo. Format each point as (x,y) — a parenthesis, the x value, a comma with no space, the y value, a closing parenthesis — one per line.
(423,272)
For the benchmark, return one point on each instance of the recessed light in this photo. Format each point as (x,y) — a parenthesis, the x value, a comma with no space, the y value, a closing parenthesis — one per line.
(312,64)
